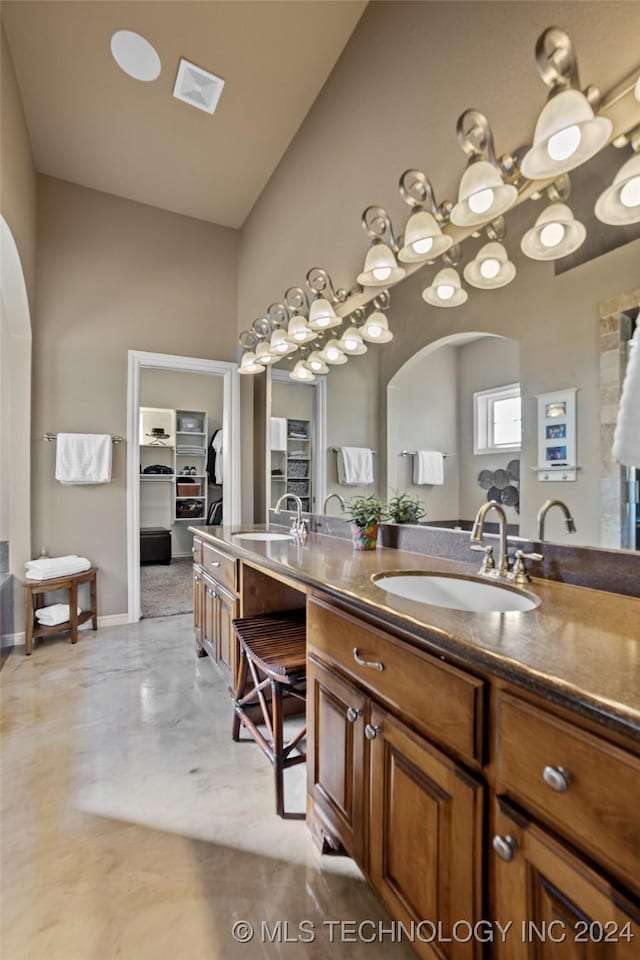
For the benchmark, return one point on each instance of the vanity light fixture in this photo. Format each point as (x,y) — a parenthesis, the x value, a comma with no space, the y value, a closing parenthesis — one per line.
(316,363)
(423,236)
(322,316)
(491,268)
(482,195)
(351,342)
(446,290)
(555,234)
(279,344)
(333,353)
(249,364)
(264,355)
(567,133)
(376,328)
(380,267)
(299,332)
(620,203)
(302,373)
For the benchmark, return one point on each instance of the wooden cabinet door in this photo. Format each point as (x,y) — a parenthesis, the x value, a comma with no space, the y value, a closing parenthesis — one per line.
(210,616)
(425,837)
(197,609)
(559,906)
(335,759)
(226,642)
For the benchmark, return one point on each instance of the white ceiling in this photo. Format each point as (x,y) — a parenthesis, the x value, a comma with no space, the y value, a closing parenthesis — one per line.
(92,124)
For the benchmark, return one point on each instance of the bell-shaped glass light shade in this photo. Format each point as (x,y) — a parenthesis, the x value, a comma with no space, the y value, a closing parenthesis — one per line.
(333,353)
(248,364)
(482,196)
(636,92)
(446,290)
(620,203)
(376,328)
(322,316)
(302,373)
(567,134)
(423,238)
(491,268)
(556,233)
(380,267)
(316,363)
(351,342)
(279,345)
(264,355)
(299,331)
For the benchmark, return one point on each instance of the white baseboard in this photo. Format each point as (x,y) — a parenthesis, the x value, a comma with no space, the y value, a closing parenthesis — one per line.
(111,620)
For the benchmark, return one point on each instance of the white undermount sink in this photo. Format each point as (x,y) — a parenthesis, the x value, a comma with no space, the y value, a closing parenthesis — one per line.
(262,535)
(455,593)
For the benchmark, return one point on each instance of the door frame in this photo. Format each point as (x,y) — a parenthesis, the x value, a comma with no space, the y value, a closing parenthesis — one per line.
(139,360)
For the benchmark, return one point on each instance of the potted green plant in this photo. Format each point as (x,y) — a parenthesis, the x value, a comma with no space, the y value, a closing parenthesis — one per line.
(406,509)
(365,513)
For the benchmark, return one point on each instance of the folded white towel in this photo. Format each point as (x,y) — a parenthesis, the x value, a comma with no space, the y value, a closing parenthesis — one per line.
(83,458)
(54,614)
(428,467)
(48,568)
(626,439)
(278,433)
(355,466)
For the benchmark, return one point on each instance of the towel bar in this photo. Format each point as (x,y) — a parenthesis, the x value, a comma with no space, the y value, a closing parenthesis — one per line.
(54,436)
(335,449)
(412,453)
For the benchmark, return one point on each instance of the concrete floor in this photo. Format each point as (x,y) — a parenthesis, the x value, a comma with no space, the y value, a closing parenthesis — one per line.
(134,828)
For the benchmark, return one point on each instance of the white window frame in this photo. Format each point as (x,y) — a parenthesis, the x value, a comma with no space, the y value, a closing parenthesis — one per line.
(483,402)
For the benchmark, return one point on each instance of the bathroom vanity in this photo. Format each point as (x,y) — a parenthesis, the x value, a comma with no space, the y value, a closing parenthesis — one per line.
(475,765)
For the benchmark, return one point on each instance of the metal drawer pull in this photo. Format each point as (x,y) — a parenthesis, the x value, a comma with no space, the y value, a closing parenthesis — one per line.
(353,713)
(557,778)
(214,563)
(505,847)
(372,732)
(193,550)
(373,664)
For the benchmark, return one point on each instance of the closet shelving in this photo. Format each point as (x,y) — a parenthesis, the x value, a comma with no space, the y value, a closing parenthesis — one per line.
(182,448)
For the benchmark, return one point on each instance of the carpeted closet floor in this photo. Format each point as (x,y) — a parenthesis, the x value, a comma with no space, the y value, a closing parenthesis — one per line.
(166,590)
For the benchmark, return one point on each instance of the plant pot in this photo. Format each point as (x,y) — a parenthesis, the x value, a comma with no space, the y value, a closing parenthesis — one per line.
(364,538)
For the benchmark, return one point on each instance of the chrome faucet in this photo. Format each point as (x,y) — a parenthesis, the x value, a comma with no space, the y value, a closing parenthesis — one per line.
(488,567)
(298,526)
(330,497)
(544,510)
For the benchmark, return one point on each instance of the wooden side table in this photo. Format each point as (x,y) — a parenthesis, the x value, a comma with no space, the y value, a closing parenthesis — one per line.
(34,588)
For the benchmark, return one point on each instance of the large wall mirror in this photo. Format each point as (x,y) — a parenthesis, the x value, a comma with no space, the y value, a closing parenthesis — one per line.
(562,325)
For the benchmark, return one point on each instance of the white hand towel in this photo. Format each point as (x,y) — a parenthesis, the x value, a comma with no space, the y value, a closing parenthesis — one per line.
(216,443)
(355,466)
(83,458)
(48,568)
(278,433)
(54,614)
(626,440)
(428,467)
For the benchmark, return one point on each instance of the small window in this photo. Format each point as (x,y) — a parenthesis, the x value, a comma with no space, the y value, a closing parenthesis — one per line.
(497,419)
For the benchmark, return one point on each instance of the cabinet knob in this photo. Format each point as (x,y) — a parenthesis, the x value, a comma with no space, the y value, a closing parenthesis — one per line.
(197,579)
(372,664)
(193,550)
(211,592)
(214,563)
(505,847)
(353,713)
(371,732)
(557,778)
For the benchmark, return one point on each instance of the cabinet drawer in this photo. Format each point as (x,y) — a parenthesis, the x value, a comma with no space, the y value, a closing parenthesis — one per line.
(588,786)
(196,550)
(221,566)
(437,698)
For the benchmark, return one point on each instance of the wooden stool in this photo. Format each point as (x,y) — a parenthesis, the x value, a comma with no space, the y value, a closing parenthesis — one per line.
(34,588)
(273,649)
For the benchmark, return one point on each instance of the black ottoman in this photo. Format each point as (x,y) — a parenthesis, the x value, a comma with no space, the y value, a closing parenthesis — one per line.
(155,545)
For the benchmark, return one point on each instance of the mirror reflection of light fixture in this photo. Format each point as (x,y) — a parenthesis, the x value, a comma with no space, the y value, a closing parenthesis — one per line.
(302,373)
(446,290)
(556,233)
(264,355)
(316,362)
(351,342)
(299,332)
(482,195)
(491,268)
(567,133)
(333,353)
(620,203)
(376,328)
(248,364)
(280,345)
(322,316)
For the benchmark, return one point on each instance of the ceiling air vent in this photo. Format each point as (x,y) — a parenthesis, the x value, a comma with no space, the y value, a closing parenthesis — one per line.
(197,87)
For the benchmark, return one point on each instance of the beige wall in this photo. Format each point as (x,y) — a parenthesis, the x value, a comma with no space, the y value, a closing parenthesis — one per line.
(113,275)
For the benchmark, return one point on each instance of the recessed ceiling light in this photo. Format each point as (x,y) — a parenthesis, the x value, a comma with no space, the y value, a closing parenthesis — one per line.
(135,55)
(197,87)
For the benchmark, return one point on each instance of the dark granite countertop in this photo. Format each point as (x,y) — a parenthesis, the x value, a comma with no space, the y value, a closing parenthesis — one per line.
(579,648)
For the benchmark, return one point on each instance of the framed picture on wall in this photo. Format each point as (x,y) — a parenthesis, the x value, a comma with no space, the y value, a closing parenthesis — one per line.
(557,439)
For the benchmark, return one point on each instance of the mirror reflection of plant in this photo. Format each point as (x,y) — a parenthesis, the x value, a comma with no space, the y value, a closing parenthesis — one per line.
(365,510)
(406,509)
